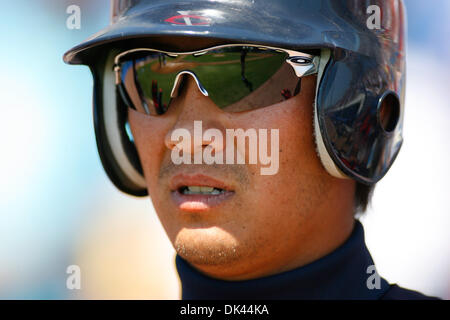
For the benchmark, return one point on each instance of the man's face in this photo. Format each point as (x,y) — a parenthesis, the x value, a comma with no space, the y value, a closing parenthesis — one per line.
(262,224)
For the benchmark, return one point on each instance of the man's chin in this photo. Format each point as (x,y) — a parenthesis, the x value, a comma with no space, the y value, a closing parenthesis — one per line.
(207,247)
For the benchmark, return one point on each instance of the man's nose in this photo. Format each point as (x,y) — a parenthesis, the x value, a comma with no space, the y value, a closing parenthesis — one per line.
(195,114)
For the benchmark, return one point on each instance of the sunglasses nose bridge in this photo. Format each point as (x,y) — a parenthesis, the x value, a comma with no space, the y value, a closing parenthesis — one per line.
(179,79)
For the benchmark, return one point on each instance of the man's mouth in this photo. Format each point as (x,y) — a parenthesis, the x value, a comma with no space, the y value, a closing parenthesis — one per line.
(200,190)
(197,193)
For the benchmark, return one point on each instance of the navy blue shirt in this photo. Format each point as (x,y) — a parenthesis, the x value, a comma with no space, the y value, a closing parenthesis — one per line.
(345,273)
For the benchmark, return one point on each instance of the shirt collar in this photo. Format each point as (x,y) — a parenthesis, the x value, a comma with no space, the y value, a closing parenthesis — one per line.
(342,274)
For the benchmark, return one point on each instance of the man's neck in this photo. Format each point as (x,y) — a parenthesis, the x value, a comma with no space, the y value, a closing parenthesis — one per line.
(342,274)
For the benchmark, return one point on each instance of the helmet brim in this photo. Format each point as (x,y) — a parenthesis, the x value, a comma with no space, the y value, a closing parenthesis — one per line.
(214,23)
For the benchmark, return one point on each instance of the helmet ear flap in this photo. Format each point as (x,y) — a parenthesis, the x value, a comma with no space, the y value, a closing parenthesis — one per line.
(126,136)
(324,156)
(115,146)
(358,116)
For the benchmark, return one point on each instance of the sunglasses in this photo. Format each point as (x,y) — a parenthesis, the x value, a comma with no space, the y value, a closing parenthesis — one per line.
(235,77)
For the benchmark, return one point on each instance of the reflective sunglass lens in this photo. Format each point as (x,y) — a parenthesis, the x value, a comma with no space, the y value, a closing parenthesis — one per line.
(235,78)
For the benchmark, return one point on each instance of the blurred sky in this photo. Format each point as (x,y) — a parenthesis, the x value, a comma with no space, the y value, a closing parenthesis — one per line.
(58,208)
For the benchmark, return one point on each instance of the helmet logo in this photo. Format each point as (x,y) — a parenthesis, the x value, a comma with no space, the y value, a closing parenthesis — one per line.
(187,18)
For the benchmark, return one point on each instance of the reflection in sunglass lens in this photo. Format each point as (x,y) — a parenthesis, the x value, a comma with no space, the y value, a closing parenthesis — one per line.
(236,78)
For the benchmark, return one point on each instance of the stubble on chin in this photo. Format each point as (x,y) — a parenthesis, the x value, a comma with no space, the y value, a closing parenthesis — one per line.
(208,251)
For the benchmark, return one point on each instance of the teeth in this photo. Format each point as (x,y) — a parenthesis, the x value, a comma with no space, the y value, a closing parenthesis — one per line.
(201,190)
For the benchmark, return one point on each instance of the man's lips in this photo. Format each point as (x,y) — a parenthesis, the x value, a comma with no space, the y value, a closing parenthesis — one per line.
(183,180)
(198,202)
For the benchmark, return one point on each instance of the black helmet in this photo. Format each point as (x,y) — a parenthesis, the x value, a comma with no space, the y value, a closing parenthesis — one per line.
(360,87)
